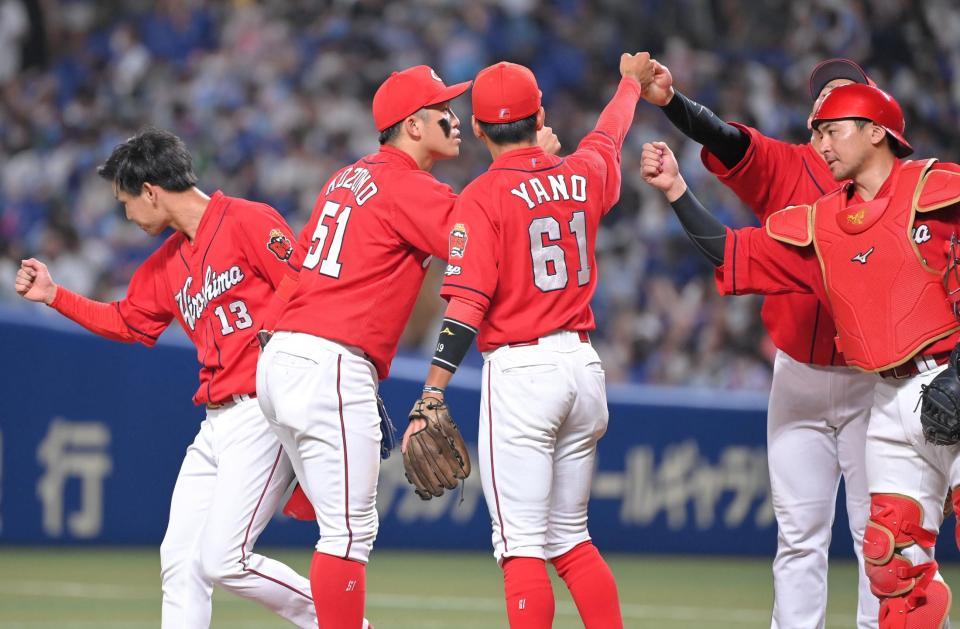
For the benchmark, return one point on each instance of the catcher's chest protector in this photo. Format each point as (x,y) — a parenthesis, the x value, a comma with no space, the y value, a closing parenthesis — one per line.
(888,304)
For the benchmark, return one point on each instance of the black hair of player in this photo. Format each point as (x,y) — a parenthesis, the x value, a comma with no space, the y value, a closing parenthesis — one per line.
(523,130)
(390,133)
(891,141)
(151,156)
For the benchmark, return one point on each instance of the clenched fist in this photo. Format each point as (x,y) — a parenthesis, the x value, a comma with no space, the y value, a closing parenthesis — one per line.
(34,282)
(659,168)
(660,90)
(639,67)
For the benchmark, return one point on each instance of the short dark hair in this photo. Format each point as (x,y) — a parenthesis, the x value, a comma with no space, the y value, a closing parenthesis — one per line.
(390,133)
(523,130)
(151,156)
(891,141)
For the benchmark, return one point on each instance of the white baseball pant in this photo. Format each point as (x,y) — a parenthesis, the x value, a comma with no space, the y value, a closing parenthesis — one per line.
(321,399)
(543,408)
(816,433)
(230,485)
(900,461)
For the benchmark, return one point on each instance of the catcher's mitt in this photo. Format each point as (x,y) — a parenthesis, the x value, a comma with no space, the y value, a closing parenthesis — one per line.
(940,406)
(436,457)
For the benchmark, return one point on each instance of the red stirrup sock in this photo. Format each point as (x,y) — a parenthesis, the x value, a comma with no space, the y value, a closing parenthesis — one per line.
(529,594)
(592,586)
(339,591)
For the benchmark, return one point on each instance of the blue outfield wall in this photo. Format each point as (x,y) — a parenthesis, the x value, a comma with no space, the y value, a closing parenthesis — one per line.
(92,434)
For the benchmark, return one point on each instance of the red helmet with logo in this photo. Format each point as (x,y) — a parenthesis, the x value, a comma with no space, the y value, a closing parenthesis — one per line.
(868,102)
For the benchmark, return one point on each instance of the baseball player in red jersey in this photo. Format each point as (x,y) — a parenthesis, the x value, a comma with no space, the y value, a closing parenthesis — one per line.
(811,439)
(521,272)
(216,275)
(364,255)
(874,252)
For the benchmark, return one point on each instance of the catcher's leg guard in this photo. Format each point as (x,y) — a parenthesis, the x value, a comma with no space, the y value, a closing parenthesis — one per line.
(910,598)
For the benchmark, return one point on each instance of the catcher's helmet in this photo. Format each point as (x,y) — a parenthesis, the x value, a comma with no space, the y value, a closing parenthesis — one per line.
(868,102)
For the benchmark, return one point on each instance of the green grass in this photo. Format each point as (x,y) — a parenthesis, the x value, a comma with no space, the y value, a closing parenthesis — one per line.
(119,588)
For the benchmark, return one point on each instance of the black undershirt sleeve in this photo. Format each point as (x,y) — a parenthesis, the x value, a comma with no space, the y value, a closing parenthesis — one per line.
(708,234)
(701,125)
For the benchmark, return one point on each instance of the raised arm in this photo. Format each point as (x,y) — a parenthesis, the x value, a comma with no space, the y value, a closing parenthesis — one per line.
(747,260)
(659,169)
(728,143)
(34,283)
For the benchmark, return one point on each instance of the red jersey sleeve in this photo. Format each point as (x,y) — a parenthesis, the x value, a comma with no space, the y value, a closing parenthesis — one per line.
(754,263)
(268,242)
(423,208)
(769,175)
(606,139)
(269,246)
(141,316)
(147,307)
(474,250)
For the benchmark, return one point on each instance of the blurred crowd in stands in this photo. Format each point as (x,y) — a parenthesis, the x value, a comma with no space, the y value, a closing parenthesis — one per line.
(271,97)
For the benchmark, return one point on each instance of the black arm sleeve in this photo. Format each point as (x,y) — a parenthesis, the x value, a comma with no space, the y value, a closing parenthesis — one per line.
(707,233)
(455,339)
(703,126)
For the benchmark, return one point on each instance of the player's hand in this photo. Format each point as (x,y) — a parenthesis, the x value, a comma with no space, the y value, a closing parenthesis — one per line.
(660,90)
(639,67)
(548,141)
(659,168)
(34,282)
(415,425)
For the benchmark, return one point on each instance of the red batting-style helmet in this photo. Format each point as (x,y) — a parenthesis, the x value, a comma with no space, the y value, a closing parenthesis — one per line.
(865,101)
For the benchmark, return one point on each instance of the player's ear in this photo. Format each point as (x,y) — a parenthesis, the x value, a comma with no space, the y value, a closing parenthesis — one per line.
(150,192)
(877,134)
(541,117)
(477,131)
(413,126)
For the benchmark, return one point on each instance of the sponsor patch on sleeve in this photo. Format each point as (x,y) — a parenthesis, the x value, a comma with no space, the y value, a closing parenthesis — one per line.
(279,245)
(458,240)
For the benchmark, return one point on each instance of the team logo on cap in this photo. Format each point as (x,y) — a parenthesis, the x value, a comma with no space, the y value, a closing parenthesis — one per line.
(279,245)
(504,113)
(458,240)
(433,74)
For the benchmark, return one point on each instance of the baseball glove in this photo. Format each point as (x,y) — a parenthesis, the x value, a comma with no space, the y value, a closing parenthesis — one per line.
(436,457)
(940,406)
(388,432)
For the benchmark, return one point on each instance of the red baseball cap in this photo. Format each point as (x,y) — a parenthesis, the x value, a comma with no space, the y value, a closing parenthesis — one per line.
(505,92)
(409,91)
(833,69)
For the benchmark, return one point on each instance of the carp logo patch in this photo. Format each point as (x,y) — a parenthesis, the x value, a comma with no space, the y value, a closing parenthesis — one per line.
(922,234)
(279,245)
(856,218)
(458,240)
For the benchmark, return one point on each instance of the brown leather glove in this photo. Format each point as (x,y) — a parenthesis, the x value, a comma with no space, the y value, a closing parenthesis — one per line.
(436,457)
